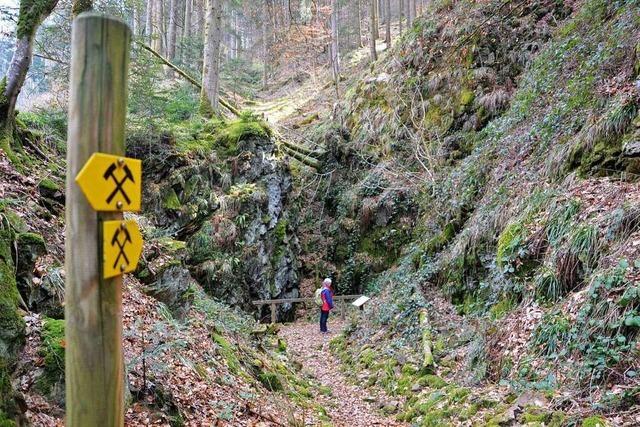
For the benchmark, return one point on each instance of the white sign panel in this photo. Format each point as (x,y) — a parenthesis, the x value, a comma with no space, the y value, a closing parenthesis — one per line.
(360,301)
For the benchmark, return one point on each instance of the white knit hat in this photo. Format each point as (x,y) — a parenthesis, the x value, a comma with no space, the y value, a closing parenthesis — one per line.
(326,282)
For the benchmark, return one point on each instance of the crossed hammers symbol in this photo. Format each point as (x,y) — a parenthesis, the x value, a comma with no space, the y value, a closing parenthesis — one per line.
(121,244)
(109,173)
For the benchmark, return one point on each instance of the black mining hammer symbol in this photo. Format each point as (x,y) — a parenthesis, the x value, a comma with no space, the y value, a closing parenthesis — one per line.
(109,173)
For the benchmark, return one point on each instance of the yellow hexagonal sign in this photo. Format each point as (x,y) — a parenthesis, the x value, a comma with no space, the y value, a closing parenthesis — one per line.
(112,183)
(121,247)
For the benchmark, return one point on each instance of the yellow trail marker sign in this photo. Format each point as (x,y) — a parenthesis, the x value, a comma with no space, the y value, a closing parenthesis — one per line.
(112,183)
(121,247)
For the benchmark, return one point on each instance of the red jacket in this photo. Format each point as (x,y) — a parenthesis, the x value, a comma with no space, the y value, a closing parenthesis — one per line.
(327,299)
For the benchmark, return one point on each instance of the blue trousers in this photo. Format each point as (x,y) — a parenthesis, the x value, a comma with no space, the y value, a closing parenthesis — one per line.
(324,316)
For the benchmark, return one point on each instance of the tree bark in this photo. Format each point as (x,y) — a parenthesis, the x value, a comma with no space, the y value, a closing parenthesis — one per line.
(148,25)
(359,19)
(305,12)
(335,53)
(408,13)
(30,16)
(400,14)
(387,37)
(265,46)
(173,29)
(372,38)
(186,31)
(211,59)
(156,26)
(376,20)
(412,10)
(80,6)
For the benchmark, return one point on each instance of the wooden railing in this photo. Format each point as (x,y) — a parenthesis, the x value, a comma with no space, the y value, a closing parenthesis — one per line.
(342,299)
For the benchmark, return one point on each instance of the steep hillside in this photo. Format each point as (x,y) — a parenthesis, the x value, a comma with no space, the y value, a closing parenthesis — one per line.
(487,165)
(217,236)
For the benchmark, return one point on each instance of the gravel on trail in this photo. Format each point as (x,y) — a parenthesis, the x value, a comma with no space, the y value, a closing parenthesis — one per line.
(348,404)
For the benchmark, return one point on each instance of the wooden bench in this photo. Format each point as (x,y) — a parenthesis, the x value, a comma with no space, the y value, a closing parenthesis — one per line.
(273,303)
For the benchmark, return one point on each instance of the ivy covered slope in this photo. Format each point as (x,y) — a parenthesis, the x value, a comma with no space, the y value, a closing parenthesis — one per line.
(489,166)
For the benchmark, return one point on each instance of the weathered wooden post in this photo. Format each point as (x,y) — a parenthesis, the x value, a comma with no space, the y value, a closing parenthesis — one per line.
(274,316)
(343,309)
(97,108)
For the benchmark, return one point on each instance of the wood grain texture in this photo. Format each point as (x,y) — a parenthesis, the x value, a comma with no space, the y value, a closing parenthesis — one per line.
(93,311)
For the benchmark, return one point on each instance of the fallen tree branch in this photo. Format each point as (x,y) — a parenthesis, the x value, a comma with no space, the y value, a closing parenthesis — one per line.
(299,148)
(306,160)
(187,77)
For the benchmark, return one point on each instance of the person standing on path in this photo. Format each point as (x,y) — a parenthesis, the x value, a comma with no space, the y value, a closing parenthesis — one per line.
(327,304)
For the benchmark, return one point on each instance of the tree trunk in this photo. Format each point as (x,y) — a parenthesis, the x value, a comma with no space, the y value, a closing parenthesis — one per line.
(186,30)
(408,13)
(372,38)
(412,10)
(400,14)
(359,19)
(211,59)
(79,6)
(265,46)
(305,12)
(335,53)
(30,16)
(156,26)
(148,25)
(387,37)
(173,29)
(287,13)
(376,20)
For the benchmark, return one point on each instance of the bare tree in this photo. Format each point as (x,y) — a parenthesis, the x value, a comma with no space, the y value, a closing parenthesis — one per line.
(148,25)
(387,12)
(335,53)
(358,16)
(372,38)
(400,14)
(211,58)
(265,45)
(173,29)
(30,16)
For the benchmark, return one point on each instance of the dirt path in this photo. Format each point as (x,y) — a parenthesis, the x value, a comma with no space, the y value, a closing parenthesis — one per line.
(348,404)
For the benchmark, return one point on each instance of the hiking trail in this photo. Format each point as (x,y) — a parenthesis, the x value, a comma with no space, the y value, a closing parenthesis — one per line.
(347,404)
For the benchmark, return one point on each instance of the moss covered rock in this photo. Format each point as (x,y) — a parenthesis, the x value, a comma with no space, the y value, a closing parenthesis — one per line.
(51,382)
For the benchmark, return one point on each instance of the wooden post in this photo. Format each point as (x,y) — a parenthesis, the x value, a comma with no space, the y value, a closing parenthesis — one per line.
(93,311)
(274,316)
(343,309)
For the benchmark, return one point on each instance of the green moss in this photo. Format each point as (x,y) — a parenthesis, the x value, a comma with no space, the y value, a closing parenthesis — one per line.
(30,239)
(534,414)
(48,184)
(432,381)
(510,242)
(11,323)
(367,357)
(440,240)
(594,421)
(31,11)
(227,352)
(52,350)
(7,403)
(248,126)
(466,97)
(271,381)
(171,200)
(501,308)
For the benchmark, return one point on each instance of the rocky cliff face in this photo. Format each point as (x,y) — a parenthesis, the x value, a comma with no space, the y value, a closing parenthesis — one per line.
(226,208)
